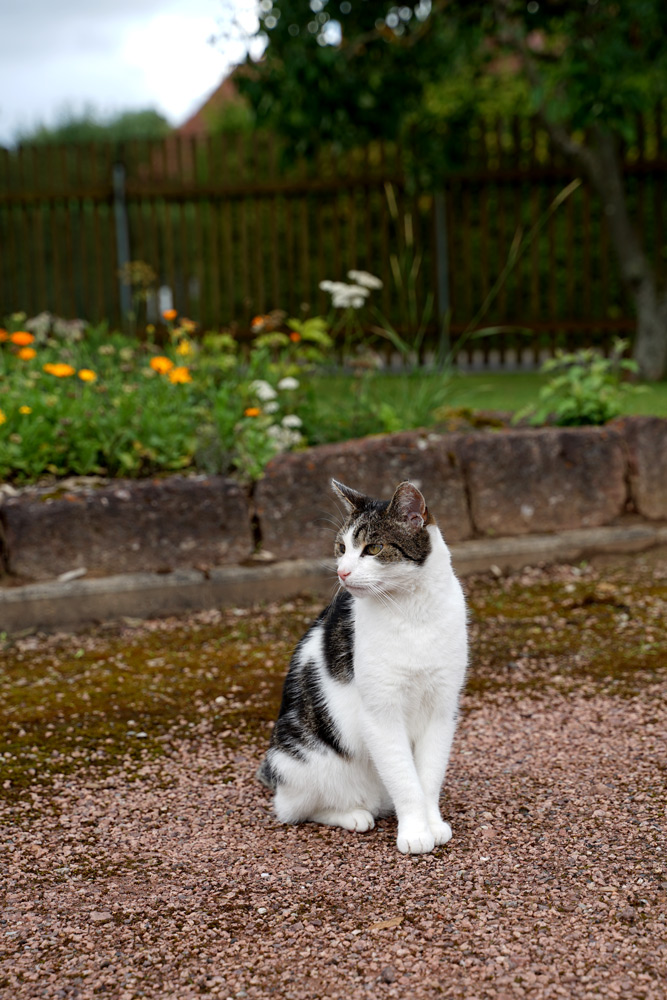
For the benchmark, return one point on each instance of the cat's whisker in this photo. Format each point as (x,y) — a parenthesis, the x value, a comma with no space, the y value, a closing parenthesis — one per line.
(335,525)
(334,517)
(386,599)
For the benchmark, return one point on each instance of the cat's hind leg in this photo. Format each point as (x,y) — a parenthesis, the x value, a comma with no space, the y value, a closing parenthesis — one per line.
(355,819)
(298,806)
(330,790)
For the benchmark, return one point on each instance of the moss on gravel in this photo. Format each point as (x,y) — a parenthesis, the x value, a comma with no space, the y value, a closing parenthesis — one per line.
(605,629)
(118,694)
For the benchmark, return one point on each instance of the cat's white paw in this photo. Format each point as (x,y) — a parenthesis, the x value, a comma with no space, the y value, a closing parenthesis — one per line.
(359,820)
(442,832)
(415,840)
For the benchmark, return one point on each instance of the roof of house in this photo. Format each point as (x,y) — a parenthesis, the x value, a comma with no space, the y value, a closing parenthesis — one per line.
(226,93)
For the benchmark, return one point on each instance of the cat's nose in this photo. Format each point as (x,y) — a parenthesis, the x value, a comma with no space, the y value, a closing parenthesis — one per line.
(344,573)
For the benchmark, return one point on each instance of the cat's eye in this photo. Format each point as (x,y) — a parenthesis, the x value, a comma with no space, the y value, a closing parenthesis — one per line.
(373,550)
(341,548)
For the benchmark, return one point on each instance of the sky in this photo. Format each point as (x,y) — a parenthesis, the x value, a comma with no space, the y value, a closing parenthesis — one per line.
(114,55)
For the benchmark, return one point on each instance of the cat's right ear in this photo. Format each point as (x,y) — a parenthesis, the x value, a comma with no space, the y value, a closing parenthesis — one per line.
(354,500)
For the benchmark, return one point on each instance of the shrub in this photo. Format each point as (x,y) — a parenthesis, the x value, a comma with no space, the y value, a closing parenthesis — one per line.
(586,388)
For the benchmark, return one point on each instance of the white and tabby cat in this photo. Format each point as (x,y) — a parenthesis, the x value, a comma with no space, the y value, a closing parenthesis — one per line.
(370,699)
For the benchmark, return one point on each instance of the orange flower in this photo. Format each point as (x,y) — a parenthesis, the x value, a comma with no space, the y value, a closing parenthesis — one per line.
(252,411)
(170,314)
(3,335)
(295,337)
(26,353)
(86,375)
(59,370)
(180,374)
(161,364)
(258,323)
(22,338)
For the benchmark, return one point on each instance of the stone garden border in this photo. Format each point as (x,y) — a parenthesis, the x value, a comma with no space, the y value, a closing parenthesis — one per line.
(504,498)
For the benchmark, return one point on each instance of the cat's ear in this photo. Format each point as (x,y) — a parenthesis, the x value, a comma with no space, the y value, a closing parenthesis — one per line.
(407,504)
(355,501)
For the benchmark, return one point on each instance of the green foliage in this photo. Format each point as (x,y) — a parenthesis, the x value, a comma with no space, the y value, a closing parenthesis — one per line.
(99,402)
(96,402)
(332,76)
(90,126)
(585,388)
(232,118)
(600,63)
(105,404)
(347,73)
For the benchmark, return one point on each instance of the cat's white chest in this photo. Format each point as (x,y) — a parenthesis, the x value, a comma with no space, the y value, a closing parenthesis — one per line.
(385,641)
(404,664)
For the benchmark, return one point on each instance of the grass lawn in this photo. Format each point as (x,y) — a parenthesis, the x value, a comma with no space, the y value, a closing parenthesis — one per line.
(516,389)
(414,397)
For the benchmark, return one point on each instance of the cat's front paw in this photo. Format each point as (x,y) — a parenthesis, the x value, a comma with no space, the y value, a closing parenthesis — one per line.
(415,840)
(442,832)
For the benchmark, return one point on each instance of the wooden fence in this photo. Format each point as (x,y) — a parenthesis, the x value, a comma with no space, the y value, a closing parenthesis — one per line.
(232,228)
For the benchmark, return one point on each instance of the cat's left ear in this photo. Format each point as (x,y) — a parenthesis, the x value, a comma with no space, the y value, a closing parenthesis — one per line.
(409,505)
(354,500)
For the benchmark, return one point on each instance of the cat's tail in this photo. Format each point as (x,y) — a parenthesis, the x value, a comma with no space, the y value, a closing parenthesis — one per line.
(266,775)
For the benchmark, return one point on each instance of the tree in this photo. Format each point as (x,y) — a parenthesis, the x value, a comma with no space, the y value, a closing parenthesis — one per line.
(349,71)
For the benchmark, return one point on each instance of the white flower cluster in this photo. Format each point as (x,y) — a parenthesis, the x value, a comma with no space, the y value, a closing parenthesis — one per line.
(345,296)
(366,279)
(263,390)
(286,434)
(46,322)
(288,383)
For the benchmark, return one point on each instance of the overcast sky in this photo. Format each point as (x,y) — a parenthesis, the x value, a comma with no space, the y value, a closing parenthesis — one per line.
(113,55)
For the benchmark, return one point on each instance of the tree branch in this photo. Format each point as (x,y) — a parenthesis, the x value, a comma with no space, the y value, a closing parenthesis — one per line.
(385,33)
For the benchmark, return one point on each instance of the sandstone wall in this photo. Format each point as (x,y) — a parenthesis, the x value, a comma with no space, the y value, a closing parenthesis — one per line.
(481,484)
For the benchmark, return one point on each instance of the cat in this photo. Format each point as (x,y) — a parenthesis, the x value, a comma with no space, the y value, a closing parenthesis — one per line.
(370,699)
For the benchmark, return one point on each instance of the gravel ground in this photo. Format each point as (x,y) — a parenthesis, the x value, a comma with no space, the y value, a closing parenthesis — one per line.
(171,879)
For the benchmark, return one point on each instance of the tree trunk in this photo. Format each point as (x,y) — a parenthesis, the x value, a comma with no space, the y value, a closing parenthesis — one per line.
(605,172)
(650,351)
(601,163)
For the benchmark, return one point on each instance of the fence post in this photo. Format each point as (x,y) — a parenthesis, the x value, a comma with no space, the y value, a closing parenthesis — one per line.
(122,236)
(442,274)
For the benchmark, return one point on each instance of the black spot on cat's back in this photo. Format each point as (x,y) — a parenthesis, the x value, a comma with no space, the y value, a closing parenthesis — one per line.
(338,637)
(316,718)
(304,720)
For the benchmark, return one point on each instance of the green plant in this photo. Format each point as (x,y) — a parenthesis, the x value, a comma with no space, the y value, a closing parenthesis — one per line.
(411,316)
(585,388)
(104,404)
(142,280)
